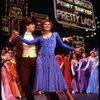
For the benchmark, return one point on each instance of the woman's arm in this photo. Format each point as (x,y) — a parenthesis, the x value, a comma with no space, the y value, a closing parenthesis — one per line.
(35,41)
(72,69)
(63,44)
(80,64)
(87,65)
(16,34)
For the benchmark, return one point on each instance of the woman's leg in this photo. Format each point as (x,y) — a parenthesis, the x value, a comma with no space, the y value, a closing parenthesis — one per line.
(70,97)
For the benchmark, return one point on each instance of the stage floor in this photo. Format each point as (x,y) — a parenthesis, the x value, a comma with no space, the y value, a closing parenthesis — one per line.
(63,97)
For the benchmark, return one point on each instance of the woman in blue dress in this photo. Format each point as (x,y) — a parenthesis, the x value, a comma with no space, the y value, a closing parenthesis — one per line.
(49,77)
(93,63)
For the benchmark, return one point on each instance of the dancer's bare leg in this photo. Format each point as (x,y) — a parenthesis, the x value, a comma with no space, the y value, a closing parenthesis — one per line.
(70,97)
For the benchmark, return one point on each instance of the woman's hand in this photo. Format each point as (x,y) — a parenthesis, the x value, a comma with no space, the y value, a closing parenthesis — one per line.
(14,34)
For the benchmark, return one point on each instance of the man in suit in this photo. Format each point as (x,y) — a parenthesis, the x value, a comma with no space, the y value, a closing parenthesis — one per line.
(26,58)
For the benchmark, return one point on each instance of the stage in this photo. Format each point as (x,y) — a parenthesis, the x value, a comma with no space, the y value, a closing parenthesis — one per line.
(63,97)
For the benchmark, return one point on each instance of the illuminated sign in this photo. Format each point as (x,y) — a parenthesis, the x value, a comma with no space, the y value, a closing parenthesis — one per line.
(75,13)
(37,17)
(15,12)
(21,4)
(16,17)
(5,28)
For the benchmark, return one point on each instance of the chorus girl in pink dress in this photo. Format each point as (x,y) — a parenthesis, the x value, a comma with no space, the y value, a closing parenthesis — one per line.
(4,78)
(9,76)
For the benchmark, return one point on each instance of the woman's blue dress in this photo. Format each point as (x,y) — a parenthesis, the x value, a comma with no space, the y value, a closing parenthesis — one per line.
(93,85)
(49,77)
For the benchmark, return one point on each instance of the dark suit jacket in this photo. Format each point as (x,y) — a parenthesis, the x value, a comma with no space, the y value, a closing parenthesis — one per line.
(17,46)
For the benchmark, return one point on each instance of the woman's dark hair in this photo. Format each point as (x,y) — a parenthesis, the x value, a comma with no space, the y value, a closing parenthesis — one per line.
(71,56)
(47,20)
